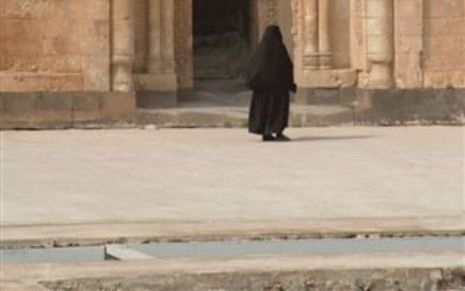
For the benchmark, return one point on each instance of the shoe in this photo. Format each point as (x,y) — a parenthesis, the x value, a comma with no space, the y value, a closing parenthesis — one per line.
(268,137)
(282,137)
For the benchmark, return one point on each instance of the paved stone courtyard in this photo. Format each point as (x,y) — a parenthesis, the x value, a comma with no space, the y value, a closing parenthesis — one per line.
(138,183)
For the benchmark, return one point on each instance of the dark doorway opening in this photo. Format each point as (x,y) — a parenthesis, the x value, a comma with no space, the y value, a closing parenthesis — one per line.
(221,38)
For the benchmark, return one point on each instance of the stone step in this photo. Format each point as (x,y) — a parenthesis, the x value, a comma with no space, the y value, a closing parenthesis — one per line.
(210,115)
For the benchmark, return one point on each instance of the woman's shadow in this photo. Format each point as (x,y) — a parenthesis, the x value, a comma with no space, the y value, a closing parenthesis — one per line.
(323,138)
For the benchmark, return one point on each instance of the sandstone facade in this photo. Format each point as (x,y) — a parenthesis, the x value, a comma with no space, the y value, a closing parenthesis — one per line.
(147,45)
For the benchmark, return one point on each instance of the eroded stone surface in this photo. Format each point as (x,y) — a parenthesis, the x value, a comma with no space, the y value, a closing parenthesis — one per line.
(52,45)
(373,280)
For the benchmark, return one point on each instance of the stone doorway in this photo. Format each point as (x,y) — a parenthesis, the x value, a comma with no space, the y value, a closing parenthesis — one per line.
(221,38)
(221,48)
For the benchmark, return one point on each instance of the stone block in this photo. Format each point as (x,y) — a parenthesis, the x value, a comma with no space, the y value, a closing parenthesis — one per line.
(6,63)
(86,101)
(156,99)
(376,9)
(160,82)
(323,96)
(409,27)
(64,109)
(64,64)
(408,72)
(377,45)
(456,27)
(409,9)
(444,79)
(95,45)
(436,27)
(119,106)
(20,103)
(23,47)
(407,44)
(338,96)
(61,45)
(56,102)
(372,26)
(396,107)
(329,78)
(90,9)
(96,73)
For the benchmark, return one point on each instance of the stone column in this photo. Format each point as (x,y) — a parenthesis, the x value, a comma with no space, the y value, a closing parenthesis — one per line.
(310,8)
(122,45)
(154,36)
(168,46)
(357,37)
(159,84)
(184,47)
(323,34)
(161,37)
(140,20)
(380,42)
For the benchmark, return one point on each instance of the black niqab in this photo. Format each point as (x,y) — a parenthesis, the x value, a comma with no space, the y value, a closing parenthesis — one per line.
(271,76)
(271,67)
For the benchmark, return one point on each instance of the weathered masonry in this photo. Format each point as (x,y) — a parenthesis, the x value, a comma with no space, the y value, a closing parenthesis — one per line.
(77,61)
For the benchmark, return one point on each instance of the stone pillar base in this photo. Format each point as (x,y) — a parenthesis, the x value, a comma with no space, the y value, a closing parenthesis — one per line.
(311,61)
(325,59)
(156,99)
(380,76)
(156,91)
(164,82)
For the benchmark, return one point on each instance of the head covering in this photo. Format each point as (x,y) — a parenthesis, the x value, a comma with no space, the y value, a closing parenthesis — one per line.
(271,67)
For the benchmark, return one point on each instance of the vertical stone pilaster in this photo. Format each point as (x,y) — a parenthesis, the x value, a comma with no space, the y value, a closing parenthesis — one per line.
(317,48)
(409,46)
(167,40)
(141,36)
(323,35)
(154,37)
(160,79)
(161,66)
(357,40)
(380,42)
(122,45)
(313,49)
(184,45)
(310,8)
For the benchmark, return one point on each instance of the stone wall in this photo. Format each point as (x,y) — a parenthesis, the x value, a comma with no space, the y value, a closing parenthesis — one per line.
(339,19)
(430,43)
(50,45)
(444,43)
(146,45)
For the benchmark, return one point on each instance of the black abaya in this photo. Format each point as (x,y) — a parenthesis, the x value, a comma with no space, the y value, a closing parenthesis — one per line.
(270,76)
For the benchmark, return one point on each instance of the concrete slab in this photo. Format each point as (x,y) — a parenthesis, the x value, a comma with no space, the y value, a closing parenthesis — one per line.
(123,253)
(77,186)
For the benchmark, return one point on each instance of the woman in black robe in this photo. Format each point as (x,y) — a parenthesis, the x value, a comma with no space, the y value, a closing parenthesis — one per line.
(271,76)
